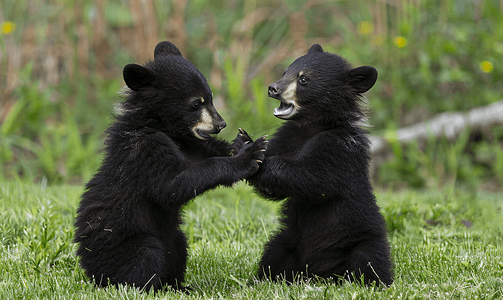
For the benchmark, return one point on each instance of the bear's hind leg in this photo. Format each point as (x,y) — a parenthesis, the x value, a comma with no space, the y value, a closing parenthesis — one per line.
(280,259)
(142,264)
(374,264)
(176,261)
(152,263)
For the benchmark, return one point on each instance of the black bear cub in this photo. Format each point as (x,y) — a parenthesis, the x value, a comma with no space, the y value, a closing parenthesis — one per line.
(159,156)
(319,161)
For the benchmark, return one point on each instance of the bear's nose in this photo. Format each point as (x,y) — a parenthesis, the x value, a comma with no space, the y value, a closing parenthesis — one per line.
(221,125)
(273,90)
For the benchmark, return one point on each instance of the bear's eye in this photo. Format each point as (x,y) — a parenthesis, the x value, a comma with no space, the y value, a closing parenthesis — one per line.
(303,80)
(196,104)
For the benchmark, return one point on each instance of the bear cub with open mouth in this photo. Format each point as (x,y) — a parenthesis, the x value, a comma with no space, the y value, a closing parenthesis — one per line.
(319,161)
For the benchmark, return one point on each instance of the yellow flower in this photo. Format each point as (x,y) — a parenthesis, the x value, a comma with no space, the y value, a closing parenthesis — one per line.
(8,27)
(486,66)
(400,41)
(390,136)
(365,28)
(377,40)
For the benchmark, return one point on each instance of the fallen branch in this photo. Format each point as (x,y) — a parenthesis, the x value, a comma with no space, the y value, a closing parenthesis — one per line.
(448,125)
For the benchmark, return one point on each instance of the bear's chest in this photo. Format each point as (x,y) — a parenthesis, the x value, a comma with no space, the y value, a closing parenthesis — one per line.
(288,148)
(191,152)
(292,141)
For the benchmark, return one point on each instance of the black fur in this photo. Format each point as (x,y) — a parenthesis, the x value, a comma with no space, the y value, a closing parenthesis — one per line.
(319,162)
(157,159)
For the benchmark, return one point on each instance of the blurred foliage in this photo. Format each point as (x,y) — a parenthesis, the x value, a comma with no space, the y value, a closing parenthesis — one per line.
(61,67)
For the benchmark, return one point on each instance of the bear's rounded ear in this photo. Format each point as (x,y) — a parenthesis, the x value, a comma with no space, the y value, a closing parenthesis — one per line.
(315,48)
(137,77)
(166,48)
(361,79)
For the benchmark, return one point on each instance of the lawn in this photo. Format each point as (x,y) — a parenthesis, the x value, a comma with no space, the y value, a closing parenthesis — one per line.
(446,244)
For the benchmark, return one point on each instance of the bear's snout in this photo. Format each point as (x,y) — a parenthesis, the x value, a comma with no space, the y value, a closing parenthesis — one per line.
(221,125)
(273,90)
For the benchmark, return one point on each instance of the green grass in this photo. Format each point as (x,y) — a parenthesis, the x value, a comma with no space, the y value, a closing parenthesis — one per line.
(435,255)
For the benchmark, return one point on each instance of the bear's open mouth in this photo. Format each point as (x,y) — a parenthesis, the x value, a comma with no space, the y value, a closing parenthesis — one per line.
(202,135)
(284,110)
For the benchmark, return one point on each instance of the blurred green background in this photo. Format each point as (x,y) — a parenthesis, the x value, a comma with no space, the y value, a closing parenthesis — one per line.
(61,74)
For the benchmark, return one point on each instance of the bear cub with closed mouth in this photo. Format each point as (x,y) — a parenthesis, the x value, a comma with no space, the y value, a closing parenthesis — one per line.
(159,155)
(319,161)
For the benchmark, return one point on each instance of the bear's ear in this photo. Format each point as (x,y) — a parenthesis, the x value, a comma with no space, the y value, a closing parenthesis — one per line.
(137,77)
(361,79)
(166,48)
(315,48)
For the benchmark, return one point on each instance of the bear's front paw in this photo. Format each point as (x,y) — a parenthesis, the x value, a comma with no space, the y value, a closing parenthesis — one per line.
(259,148)
(241,139)
(253,155)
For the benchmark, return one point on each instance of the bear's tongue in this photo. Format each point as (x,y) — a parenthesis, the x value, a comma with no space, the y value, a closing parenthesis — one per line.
(284,109)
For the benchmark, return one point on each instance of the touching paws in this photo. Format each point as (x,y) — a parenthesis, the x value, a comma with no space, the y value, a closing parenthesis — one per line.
(241,139)
(252,153)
